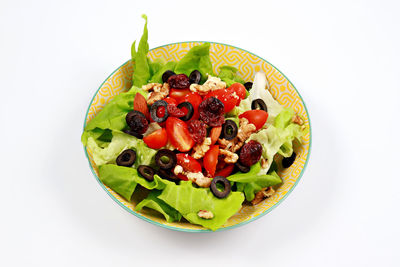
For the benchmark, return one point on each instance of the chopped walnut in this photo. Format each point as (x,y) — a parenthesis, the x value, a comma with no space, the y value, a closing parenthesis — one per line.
(201,149)
(244,132)
(298,120)
(264,163)
(159,92)
(205,214)
(230,157)
(199,179)
(262,194)
(212,83)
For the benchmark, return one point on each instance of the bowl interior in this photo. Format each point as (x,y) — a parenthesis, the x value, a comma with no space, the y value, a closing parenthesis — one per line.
(247,64)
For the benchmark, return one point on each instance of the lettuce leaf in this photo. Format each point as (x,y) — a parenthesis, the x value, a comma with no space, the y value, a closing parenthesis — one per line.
(197,58)
(124,180)
(152,202)
(120,142)
(141,68)
(157,76)
(228,75)
(252,182)
(189,201)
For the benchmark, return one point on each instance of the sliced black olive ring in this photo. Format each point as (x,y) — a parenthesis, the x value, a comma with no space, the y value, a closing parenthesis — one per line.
(241,167)
(126,158)
(166,159)
(154,108)
(259,104)
(222,181)
(248,85)
(287,162)
(133,133)
(147,172)
(189,109)
(229,130)
(195,77)
(167,174)
(166,75)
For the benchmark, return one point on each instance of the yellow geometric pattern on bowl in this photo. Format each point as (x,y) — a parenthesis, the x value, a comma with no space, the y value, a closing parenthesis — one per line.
(247,64)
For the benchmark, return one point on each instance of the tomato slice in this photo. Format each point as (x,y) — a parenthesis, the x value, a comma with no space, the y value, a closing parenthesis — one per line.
(256,117)
(194,99)
(140,104)
(240,91)
(210,159)
(178,134)
(170,101)
(226,97)
(157,139)
(188,163)
(215,133)
(178,94)
(225,171)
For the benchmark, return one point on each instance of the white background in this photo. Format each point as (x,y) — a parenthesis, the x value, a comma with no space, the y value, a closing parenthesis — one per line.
(343,56)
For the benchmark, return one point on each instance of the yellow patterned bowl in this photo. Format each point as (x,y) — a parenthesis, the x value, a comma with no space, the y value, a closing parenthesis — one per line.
(247,64)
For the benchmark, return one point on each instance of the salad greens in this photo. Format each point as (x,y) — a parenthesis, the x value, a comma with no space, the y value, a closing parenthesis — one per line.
(104,137)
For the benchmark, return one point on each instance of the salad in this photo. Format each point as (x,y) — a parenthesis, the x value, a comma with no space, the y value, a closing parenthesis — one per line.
(201,143)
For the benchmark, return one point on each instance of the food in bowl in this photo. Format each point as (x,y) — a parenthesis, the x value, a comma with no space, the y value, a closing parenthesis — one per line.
(202,143)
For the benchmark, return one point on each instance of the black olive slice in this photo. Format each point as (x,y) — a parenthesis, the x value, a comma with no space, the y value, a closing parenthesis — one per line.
(287,162)
(166,159)
(137,121)
(241,167)
(248,85)
(147,172)
(259,104)
(126,158)
(135,134)
(154,108)
(166,75)
(167,174)
(273,167)
(229,130)
(195,77)
(189,109)
(222,181)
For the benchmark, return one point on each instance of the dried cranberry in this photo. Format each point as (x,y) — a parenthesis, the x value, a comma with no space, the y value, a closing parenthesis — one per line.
(137,121)
(179,81)
(174,111)
(211,111)
(250,153)
(197,130)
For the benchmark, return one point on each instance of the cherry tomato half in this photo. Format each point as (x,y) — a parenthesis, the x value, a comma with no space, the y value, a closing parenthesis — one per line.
(157,139)
(178,134)
(227,98)
(240,91)
(210,159)
(178,94)
(256,117)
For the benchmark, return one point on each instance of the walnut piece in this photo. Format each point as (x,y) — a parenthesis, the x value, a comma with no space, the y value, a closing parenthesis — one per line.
(264,163)
(159,91)
(230,157)
(262,194)
(205,214)
(199,179)
(201,149)
(212,83)
(244,132)
(298,120)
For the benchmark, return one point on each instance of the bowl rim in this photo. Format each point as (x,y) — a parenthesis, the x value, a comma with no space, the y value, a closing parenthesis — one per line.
(202,230)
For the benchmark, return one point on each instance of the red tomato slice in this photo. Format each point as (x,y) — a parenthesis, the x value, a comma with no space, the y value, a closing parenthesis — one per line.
(188,163)
(140,104)
(225,171)
(240,91)
(215,133)
(170,101)
(226,97)
(194,99)
(157,139)
(178,94)
(256,117)
(178,134)
(210,159)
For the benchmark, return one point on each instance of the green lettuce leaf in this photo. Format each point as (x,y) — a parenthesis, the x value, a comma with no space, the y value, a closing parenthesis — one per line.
(141,68)
(229,75)
(197,58)
(120,142)
(124,180)
(252,182)
(157,76)
(152,202)
(189,201)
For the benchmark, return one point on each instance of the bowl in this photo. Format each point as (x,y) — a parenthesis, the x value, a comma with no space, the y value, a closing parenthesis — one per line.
(248,64)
